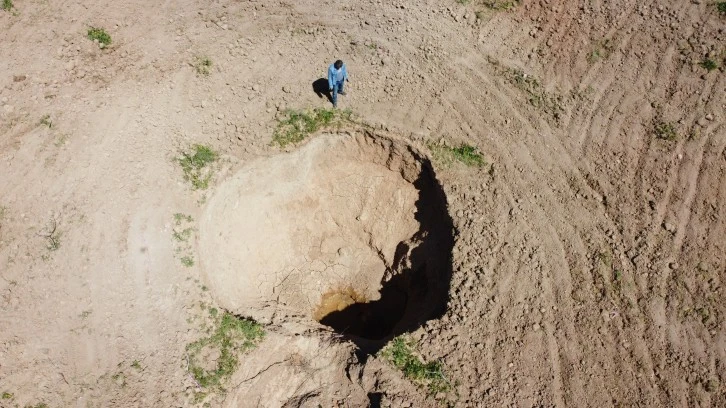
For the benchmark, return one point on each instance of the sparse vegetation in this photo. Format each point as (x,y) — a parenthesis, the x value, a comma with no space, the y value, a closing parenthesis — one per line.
(179,217)
(427,375)
(463,1)
(8,5)
(536,95)
(664,130)
(45,121)
(203,65)
(195,164)
(183,235)
(61,140)
(52,235)
(136,364)
(499,5)
(464,154)
(119,378)
(187,261)
(100,35)
(721,7)
(231,336)
(603,49)
(295,126)
(708,64)
(7,395)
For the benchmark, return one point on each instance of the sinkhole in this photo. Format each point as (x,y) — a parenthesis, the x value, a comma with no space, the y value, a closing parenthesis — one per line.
(351,230)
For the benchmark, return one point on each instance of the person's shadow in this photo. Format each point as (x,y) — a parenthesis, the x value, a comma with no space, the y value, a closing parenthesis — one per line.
(320,87)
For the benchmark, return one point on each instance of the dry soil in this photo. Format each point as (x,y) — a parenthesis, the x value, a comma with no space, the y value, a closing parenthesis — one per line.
(587,258)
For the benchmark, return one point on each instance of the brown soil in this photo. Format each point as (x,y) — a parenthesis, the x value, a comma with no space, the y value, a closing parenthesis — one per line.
(584,264)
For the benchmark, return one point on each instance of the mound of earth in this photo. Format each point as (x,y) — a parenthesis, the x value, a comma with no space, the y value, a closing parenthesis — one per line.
(350,230)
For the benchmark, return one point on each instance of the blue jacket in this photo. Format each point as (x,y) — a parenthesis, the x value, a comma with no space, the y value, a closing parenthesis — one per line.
(332,74)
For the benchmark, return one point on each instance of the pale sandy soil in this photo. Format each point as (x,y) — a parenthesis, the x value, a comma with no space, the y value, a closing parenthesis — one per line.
(589,255)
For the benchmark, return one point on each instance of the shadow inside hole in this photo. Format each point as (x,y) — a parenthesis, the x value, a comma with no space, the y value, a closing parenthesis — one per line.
(417,294)
(374,399)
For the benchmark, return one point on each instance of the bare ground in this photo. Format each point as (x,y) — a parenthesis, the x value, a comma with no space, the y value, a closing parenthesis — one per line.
(589,259)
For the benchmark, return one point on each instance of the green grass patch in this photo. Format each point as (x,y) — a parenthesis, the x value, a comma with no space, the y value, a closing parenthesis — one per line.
(721,7)
(7,5)
(194,164)
(231,337)
(464,154)
(400,352)
(7,395)
(295,126)
(708,64)
(95,33)
(136,364)
(203,65)
(665,130)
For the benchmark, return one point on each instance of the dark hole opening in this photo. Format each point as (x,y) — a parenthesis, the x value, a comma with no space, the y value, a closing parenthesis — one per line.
(420,291)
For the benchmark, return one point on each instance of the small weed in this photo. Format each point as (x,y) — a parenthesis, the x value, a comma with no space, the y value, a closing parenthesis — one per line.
(536,95)
(61,140)
(593,56)
(7,5)
(721,7)
(203,65)
(119,378)
(187,261)
(602,50)
(183,235)
(499,5)
(45,120)
(606,259)
(7,395)
(463,1)
(664,130)
(232,335)
(99,34)
(297,125)
(85,314)
(708,64)
(199,397)
(179,217)
(429,375)
(136,364)
(53,236)
(464,154)
(194,164)
(213,311)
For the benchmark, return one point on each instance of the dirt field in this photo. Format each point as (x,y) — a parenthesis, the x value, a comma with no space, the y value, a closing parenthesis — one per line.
(582,265)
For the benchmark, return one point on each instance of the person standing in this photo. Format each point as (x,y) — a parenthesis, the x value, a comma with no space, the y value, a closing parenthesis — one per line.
(337,76)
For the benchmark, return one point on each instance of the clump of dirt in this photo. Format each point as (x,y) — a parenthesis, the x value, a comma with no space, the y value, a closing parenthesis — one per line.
(351,230)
